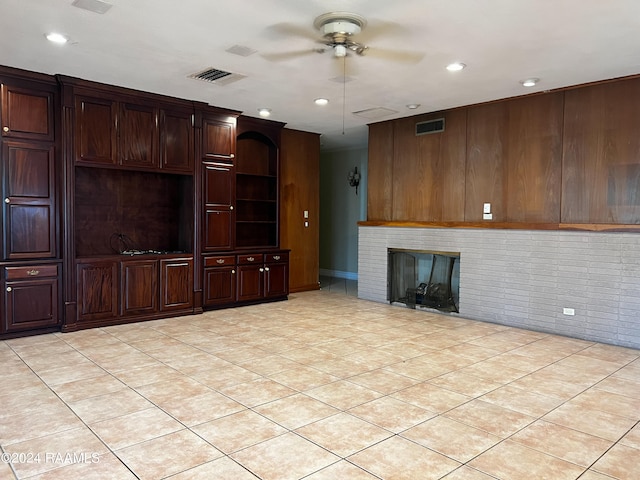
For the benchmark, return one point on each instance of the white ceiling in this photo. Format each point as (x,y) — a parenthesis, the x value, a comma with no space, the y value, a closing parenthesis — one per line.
(154,45)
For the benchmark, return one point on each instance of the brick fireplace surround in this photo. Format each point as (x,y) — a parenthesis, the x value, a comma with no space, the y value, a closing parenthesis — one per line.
(525,278)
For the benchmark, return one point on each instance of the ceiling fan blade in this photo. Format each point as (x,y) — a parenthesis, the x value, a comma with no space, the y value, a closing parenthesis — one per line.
(283,56)
(378,29)
(403,56)
(289,29)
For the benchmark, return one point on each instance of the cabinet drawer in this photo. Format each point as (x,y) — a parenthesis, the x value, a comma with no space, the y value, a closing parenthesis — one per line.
(276,257)
(220,261)
(250,259)
(31,271)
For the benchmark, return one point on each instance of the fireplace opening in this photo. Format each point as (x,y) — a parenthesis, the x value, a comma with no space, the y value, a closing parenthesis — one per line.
(424,279)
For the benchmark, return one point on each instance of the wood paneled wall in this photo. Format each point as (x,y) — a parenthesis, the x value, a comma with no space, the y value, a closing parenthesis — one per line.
(428,170)
(300,191)
(513,159)
(601,154)
(553,160)
(380,171)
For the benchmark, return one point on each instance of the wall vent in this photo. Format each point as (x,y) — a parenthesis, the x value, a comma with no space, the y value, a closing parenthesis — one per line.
(430,126)
(219,77)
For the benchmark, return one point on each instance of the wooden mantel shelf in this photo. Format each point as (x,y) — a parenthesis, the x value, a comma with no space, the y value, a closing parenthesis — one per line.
(586,227)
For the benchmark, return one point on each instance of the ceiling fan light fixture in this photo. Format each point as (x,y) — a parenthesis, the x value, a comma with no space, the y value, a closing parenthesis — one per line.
(530,82)
(340,51)
(321,101)
(264,112)
(455,66)
(413,106)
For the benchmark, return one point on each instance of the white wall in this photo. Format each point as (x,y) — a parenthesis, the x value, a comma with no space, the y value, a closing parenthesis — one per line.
(525,278)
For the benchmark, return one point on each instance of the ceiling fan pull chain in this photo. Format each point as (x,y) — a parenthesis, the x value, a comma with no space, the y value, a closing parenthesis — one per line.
(344,89)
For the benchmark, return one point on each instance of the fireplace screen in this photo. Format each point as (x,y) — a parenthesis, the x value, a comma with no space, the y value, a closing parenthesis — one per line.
(425,279)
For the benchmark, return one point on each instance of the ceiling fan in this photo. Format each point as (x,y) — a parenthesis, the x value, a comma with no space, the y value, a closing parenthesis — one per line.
(338,30)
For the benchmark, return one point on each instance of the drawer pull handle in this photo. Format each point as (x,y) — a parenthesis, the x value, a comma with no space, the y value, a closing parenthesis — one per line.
(5,129)
(220,261)
(33,273)
(250,259)
(233,271)
(9,289)
(276,257)
(261,269)
(7,200)
(266,269)
(230,207)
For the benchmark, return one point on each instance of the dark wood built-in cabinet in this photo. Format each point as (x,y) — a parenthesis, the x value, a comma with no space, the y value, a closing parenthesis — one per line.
(121,206)
(241,216)
(220,279)
(132,288)
(131,133)
(29,164)
(219,197)
(31,297)
(131,216)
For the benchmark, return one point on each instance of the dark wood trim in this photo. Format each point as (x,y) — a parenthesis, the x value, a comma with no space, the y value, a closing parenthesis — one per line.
(586,227)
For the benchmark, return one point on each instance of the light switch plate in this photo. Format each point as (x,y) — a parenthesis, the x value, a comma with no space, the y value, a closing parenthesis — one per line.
(306,214)
(487,216)
(486,208)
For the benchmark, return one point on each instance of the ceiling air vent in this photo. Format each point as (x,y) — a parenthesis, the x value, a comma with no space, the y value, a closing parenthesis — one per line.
(430,126)
(219,77)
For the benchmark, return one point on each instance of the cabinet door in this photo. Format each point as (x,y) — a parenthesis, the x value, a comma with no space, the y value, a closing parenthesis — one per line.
(97,290)
(95,132)
(138,136)
(219,183)
(276,279)
(176,141)
(27,113)
(250,282)
(139,286)
(219,214)
(219,140)
(29,200)
(30,304)
(176,284)
(219,285)
(218,229)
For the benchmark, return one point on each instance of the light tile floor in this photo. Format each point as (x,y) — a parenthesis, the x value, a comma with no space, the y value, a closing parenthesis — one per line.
(339,285)
(323,386)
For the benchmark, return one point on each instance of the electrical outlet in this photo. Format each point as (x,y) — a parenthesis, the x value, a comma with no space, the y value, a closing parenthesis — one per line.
(568,311)
(487,216)
(486,208)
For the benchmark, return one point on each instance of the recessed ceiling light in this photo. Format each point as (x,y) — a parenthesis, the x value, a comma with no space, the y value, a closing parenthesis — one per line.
(56,38)
(264,112)
(321,101)
(529,82)
(455,67)
(413,106)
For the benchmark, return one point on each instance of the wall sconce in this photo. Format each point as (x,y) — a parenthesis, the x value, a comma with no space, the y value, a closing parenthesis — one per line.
(354,178)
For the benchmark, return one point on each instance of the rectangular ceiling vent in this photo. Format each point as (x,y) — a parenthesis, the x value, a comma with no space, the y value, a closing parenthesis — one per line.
(374,113)
(219,77)
(430,126)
